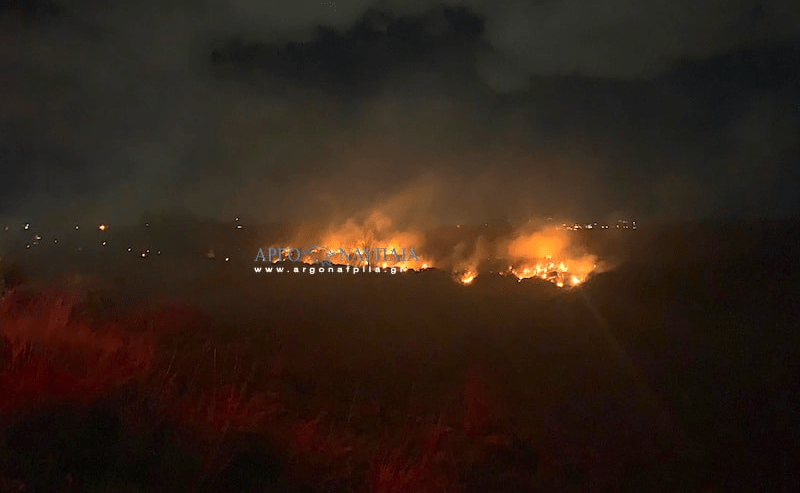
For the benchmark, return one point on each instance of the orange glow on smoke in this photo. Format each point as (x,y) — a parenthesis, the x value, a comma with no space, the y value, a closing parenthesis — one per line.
(547,255)
(371,234)
(542,244)
(396,225)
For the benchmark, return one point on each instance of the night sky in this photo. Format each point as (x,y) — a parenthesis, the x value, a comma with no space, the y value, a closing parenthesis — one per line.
(468,111)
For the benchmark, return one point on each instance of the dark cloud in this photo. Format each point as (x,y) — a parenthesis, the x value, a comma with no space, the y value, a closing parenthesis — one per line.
(297,108)
(629,38)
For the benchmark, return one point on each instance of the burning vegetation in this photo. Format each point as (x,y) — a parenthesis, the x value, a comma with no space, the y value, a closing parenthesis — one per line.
(374,240)
(548,255)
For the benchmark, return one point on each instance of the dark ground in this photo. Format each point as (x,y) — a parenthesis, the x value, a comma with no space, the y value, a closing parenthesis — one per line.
(676,371)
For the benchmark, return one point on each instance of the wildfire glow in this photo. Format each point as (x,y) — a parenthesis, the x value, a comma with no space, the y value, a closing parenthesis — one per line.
(559,273)
(373,234)
(387,231)
(467,277)
(547,255)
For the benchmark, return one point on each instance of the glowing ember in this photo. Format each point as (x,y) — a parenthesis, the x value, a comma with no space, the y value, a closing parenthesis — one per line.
(467,277)
(101,227)
(557,273)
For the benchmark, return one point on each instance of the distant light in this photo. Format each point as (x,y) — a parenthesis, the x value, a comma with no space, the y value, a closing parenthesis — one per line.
(239,226)
(55,241)
(147,251)
(27,226)
(37,237)
(146,225)
(76,227)
(129,249)
(144,255)
(237,219)
(104,243)
(158,252)
(6,228)
(102,227)
(227,259)
(28,245)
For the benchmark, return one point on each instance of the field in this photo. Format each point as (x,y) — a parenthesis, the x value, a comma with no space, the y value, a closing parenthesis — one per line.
(674,370)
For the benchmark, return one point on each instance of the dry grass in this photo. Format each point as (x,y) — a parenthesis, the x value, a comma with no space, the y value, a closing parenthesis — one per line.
(50,356)
(53,356)
(419,464)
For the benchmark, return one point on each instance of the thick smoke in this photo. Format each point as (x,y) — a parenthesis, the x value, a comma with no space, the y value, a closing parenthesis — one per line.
(115,108)
(629,38)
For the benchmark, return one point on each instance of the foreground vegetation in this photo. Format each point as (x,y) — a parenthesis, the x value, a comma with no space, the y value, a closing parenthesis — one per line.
(676,371)
(100,401)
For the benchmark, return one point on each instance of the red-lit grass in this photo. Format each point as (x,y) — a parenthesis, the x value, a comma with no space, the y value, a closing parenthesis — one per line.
(418,464)
(51,357)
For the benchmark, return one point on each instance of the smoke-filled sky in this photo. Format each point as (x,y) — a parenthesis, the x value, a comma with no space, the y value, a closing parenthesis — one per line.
(474,110)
